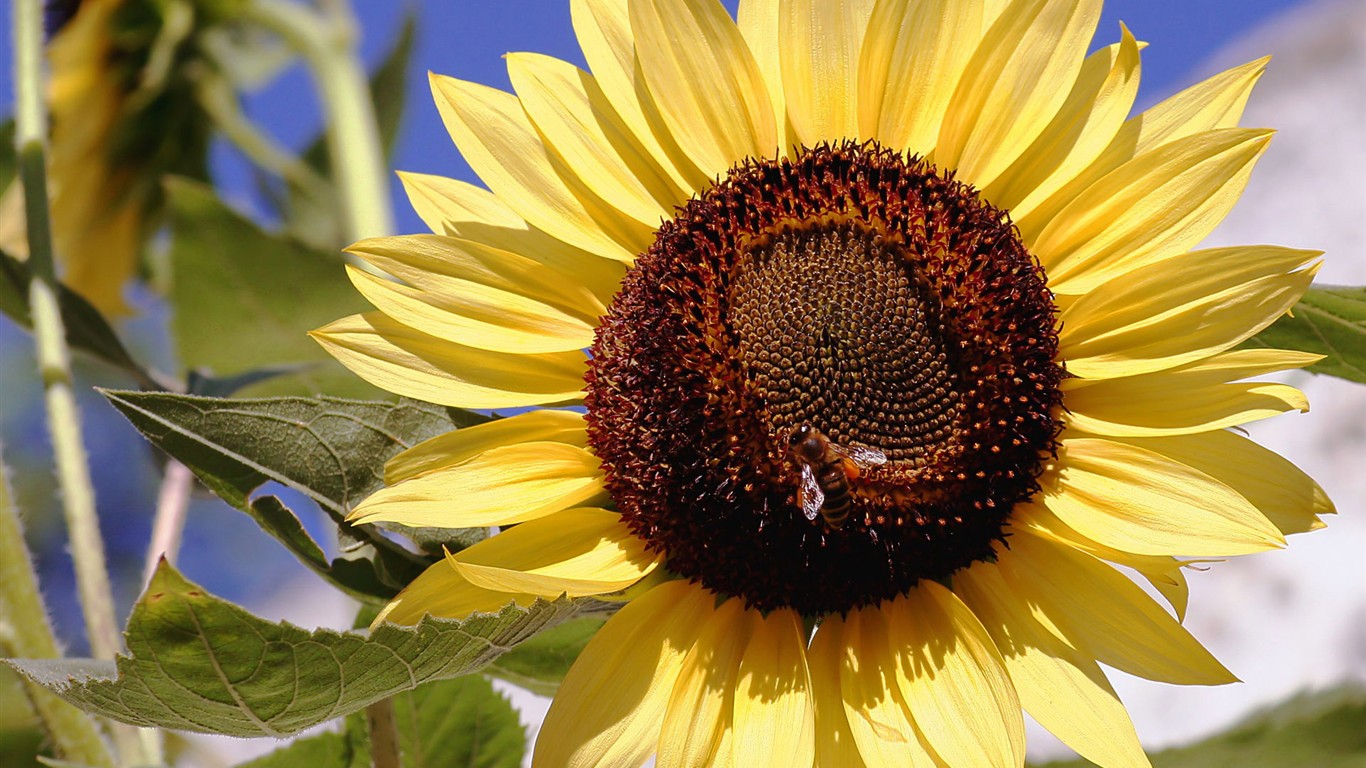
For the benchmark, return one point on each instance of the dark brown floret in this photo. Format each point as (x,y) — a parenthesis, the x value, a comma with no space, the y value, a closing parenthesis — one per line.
(856,291)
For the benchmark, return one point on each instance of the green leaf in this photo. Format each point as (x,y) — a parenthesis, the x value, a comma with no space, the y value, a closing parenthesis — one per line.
(372,571)
(86,329)
(540,664)
(1311,730)
(245,299)
(461,722)
(348,748)
(328,449)
(437,540)
(199,663)
(1329,321)
(212,386)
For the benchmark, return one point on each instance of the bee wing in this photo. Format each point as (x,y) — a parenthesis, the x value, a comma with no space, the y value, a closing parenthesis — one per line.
(864,457)
(810,497)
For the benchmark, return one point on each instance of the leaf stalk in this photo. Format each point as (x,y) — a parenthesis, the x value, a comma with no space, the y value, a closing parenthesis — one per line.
(383,728)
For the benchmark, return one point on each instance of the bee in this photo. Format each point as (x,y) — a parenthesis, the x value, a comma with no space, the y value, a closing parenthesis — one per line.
(827,469)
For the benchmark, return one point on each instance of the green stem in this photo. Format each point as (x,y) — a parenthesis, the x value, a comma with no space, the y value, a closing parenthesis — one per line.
(54,358)
(219,101)
(353,143)
(27,634)
(383,728)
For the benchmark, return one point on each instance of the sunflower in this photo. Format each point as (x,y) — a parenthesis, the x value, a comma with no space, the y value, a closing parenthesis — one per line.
(896,345)
(122,117)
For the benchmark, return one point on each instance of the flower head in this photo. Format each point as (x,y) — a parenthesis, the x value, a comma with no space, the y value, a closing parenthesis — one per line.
(123,114)
(896,343)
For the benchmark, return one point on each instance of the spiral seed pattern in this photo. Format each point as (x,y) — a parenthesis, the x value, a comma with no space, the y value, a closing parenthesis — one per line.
(839,331)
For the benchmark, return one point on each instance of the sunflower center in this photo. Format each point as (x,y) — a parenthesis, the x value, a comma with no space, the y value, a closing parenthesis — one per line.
(829,378)
(838,330)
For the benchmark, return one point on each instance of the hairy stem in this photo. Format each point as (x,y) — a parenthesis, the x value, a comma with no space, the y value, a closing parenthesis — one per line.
(54,357)
(26,633)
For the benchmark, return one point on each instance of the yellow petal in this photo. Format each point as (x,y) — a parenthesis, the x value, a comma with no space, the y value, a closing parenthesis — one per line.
(570,110)
(462,444)
(1104,614)
(707,84)
(992,10)
(1060,687)
(603,28)
(1164,572)
(834,742)
(1196,397)
(1155,206)
(1182,309)
(1139,501)
(758,23)
(440,591)
(442,202)
(503,485)
(774,714)
(702,703)
(609,708)
(407,362)
(1014,85)
(453,267)
(1173,588)
(1095,109)
(912,60)
(479,316)
(499,143)
(725,750)
(868,670)
(575,552)
(1214,103)
(462,210)
(819,53)
(1289,498)
(954,681)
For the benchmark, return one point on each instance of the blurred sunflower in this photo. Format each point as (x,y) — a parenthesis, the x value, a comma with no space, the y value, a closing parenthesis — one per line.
(123,115)
(896,344)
